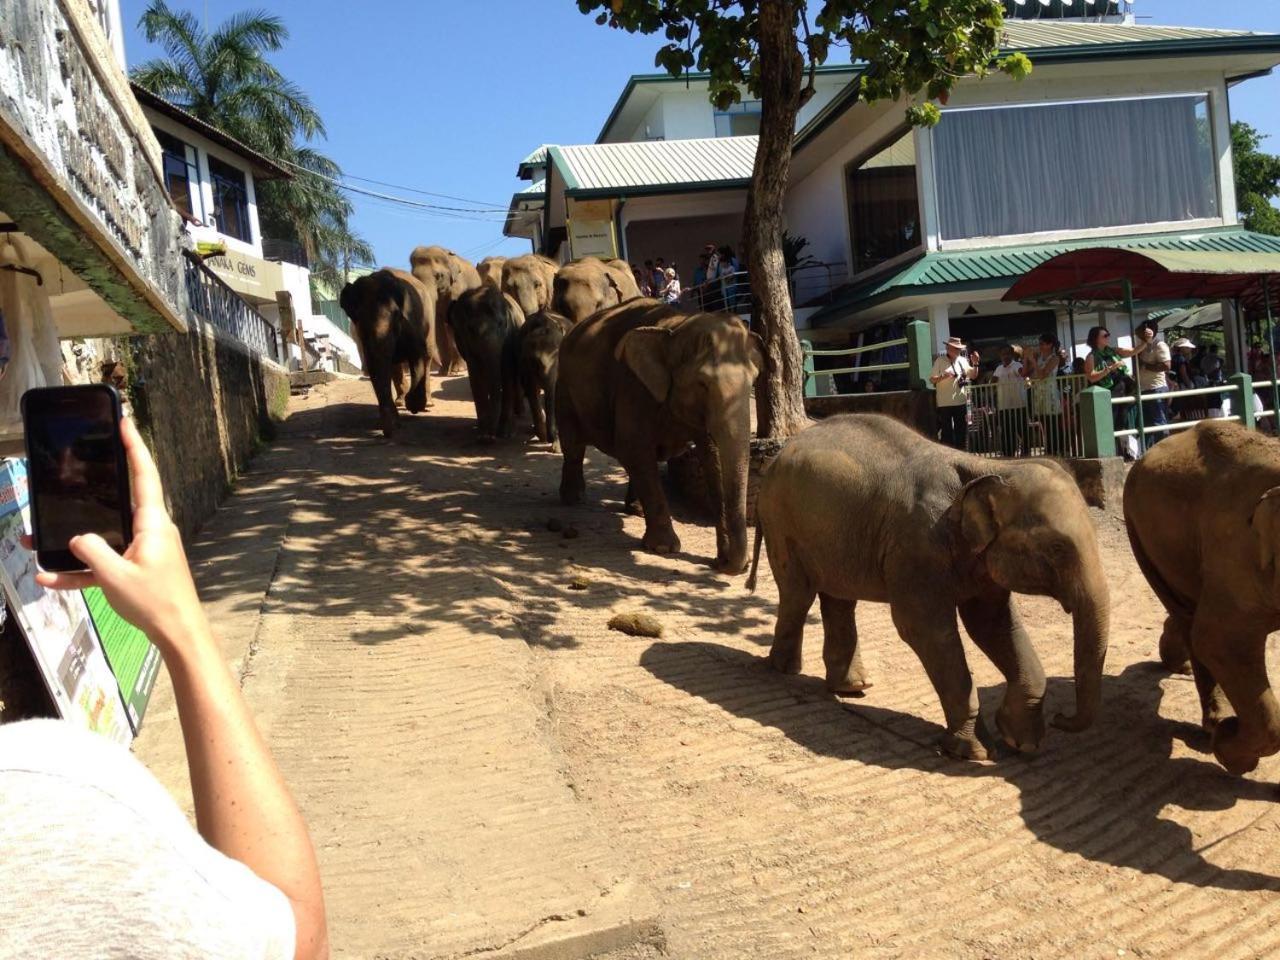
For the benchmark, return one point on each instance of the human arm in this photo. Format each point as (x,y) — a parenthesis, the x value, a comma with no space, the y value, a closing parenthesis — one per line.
(243,807)
(1145,339)
(1094,373)
(941,373)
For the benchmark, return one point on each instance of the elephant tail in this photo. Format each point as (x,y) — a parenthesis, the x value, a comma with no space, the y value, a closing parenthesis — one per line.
(755,557)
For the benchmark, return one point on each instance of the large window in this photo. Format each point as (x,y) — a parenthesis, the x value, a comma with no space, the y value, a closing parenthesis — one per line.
(884,204)
(740,120)
(180,172)
(1074,166)
(230,200)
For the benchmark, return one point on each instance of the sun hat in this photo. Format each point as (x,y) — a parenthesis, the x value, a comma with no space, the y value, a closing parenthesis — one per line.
(1182,342)
(955,342)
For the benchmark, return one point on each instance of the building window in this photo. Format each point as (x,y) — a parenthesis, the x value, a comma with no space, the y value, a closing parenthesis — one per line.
(884,204)
(230,200)
(180,173)
(1006,171)
(740,120)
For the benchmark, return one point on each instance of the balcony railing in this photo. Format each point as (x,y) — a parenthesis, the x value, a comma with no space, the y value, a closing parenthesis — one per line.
(212,301)
(286,250)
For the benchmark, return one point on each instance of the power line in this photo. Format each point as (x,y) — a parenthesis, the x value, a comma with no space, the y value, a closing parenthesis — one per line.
(425,193)
(404,201)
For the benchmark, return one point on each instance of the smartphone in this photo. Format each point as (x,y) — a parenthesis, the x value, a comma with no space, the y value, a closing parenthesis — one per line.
(78,474)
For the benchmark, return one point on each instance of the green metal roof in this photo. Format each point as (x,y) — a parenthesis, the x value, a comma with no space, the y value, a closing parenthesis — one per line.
(994,267)
(536,159)
(1055,42)
(655,166)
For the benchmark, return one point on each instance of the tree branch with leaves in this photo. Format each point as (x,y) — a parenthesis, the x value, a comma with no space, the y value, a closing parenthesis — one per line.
(913,49)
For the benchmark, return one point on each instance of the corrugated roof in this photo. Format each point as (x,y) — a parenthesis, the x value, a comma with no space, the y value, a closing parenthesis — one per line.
(655,165)
(536,159)
(1045,34)
(998,266)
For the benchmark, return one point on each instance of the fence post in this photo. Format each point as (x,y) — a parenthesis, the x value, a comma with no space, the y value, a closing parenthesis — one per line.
(919,355)
(810,379)
(1243,399)
(1096,423)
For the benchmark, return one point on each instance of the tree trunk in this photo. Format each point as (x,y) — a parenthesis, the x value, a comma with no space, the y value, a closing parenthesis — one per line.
(780,389)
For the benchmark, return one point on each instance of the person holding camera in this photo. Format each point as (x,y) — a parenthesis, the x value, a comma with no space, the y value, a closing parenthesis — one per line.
(1105,367)
(950,376)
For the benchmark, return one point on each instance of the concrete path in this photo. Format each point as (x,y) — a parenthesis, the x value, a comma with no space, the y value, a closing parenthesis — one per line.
(480,756)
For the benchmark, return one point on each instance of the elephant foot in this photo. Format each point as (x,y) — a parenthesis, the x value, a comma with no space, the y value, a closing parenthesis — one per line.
(785,661)
(1173,650)
(661,540)
(1235,757)
(964,746)
(850,683)
(555,446)
(570,496)
(635,508)
(1021,728)
(729,565)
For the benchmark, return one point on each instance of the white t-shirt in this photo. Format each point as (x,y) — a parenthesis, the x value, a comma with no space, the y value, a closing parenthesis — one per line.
(1011,386)
(949,393)
(1158,352)
(96,860)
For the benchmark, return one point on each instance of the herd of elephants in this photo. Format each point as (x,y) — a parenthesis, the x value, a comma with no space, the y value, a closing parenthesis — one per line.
(858,506)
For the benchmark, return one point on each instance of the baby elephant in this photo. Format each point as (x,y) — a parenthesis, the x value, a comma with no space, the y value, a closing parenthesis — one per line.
(484,323)
(861,507)
(538,365)
(1203,512)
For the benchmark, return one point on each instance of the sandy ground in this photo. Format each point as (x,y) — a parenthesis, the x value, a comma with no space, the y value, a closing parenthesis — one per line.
(769,819)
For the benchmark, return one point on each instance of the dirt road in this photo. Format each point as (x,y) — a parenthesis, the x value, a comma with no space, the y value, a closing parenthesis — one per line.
(769,819)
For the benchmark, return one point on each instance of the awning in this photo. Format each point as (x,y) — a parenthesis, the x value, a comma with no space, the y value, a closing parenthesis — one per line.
(1148,275)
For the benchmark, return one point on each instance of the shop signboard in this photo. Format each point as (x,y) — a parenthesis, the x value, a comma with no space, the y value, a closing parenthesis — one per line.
(591,232)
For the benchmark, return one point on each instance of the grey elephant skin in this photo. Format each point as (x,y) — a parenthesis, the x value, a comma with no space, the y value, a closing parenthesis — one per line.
(585,286)
(530,279)
(449,275)
(484,323)
(1203,513)
(394,319)
(640,382)
(861,507)
(538,369)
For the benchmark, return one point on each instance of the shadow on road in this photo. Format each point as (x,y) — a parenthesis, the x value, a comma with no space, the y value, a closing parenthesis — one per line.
(1098,794)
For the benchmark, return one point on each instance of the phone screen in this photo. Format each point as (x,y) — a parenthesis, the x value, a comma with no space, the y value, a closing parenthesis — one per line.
(77,469)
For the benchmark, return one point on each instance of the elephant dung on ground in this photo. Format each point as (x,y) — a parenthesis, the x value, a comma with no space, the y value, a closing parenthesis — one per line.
(584,286)
(485,322)
(530,279)
(490,270)
(640,382)
(448,275)
(861,507)
(537,367)
(394,319)
(1203,513)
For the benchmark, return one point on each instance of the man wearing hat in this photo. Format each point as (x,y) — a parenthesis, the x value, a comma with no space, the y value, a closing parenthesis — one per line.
(950,375)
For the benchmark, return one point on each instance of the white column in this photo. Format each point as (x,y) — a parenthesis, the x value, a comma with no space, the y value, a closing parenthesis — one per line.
(939,326)
(1220,118)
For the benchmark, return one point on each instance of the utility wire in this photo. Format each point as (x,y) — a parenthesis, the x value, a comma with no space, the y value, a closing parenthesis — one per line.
(404,201)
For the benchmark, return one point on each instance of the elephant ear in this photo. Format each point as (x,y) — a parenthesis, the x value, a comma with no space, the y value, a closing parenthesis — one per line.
(976,506)
(1265,523)
(644,352)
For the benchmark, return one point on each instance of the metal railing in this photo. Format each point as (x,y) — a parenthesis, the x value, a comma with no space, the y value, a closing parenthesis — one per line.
(731,292)
(331,310)
(816,379)
(1026,418)
(287,250)
(212,301)
(813,283)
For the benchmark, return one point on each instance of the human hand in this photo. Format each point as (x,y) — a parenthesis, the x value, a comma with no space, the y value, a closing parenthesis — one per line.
(149,585)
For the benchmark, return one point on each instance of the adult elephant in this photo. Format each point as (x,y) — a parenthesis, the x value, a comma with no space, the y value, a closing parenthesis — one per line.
(643,380)
(490,270)
(448,275)
(584,286)
(394,319)
(484,322)
(861,507)
(529,280)
(1203,514)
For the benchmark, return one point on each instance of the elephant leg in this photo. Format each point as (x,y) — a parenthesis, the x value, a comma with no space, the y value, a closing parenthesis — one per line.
(929,628)
(659,532)
(845,672)
(400,381)
(994,625)
(510,393)
(1214,707)
(386,403)
(549,398)
(1235,655)
(631,500)
(1175,644)
(795,597)
(480,397)
(573,449)
(415,400)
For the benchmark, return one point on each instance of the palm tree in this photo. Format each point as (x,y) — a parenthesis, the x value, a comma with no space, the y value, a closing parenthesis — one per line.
(225,79)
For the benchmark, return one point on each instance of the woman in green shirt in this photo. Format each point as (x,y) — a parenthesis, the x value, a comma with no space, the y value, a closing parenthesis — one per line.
(1105,367)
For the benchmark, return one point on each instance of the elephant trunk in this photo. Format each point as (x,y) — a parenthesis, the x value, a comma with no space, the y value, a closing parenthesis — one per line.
(1091,622)
(731,455)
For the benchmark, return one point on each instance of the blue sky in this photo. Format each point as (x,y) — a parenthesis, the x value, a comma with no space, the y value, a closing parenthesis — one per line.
(448,97)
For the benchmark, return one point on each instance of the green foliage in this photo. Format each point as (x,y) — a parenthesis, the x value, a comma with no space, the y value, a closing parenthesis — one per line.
(913,47)
(1257,179)
(226,80)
